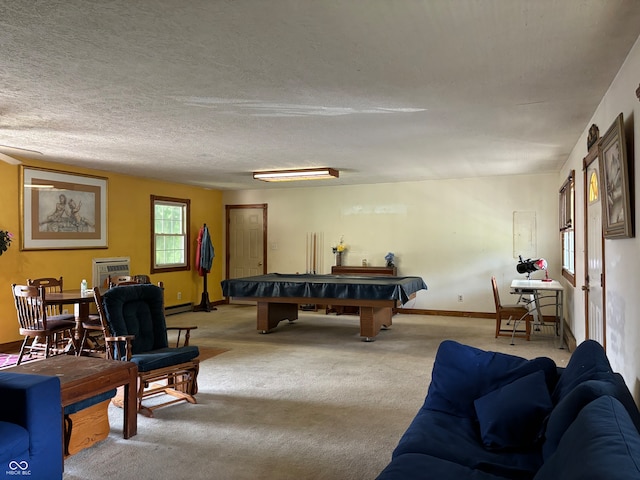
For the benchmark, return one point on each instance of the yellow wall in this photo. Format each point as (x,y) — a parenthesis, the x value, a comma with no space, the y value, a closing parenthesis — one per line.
(128,213)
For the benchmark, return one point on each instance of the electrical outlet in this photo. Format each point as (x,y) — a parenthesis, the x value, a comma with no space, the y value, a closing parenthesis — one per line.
(460,299)
(179,295)
(65,311)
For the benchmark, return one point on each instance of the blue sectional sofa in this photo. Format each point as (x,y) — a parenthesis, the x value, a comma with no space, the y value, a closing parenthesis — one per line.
(493,416)
(30,427)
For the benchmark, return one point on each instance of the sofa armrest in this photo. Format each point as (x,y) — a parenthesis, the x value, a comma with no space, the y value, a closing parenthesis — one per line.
(34,402)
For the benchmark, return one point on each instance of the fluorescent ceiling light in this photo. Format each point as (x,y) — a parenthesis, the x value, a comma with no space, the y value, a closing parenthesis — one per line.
(297,174)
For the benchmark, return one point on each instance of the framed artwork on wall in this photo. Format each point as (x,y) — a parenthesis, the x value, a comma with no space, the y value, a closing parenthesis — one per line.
(614,171)
(60,210)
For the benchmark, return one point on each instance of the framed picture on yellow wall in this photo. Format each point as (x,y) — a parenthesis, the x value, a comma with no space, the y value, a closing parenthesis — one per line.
(61,210)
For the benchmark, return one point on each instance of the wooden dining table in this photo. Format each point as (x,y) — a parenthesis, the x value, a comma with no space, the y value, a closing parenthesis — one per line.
(81,302)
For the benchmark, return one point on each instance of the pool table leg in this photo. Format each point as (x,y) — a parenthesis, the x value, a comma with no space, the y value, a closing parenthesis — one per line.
(372,319)
(270,314)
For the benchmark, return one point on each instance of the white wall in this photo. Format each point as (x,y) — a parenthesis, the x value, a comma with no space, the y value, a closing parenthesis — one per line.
(455,234)
(622,256)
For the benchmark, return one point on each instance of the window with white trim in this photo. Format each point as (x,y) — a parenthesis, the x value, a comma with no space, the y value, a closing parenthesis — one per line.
(567,231)
(169,234)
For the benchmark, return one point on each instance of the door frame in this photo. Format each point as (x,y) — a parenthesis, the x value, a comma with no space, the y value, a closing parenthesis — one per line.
(227,256)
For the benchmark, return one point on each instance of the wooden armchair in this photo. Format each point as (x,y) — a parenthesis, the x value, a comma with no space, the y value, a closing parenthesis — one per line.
(37,325)
(135,330)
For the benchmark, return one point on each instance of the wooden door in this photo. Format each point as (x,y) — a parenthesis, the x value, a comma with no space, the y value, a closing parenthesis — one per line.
(246,240)
(594,292)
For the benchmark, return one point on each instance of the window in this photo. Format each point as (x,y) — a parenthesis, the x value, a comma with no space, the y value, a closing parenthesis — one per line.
(567,232)
(170,234)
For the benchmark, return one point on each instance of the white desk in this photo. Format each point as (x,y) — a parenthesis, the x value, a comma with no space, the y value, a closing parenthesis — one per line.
(539,290)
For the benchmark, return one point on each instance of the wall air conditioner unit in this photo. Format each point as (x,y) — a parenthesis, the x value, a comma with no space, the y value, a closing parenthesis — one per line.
(103,268)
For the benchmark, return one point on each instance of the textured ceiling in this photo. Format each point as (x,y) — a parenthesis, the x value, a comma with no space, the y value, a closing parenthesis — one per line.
(204,92)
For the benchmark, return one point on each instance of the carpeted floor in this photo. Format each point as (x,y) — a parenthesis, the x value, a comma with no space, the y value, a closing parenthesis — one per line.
(308,401)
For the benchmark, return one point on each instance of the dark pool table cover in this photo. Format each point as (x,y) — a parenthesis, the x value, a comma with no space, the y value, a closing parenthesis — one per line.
(324,286)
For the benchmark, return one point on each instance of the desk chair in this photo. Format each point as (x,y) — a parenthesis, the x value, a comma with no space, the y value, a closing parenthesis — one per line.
(36,324)
(135,330)
(510,313)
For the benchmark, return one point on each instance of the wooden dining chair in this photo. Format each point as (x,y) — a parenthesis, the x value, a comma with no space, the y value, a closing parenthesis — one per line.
(91,341)
(513,315)
(53,285)
(50,285)
(36,325)
(121,279)
(142,278)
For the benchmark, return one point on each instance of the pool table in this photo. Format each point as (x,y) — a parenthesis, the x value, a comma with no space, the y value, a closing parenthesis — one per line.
(278,296)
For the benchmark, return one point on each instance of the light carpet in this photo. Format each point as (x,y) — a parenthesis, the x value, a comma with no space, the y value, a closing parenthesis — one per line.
(308,401)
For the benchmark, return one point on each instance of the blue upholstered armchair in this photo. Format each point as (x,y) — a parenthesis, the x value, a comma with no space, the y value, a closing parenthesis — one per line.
(135,330)
(30,426)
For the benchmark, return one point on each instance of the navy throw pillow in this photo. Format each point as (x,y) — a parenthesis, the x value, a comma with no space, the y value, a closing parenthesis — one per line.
(511,417)
(462,373)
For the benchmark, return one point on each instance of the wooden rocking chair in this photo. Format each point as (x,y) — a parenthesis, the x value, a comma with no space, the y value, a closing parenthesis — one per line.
(135,330)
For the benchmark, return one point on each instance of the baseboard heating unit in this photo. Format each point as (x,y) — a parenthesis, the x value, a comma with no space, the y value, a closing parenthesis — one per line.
(183,307)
